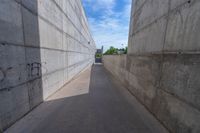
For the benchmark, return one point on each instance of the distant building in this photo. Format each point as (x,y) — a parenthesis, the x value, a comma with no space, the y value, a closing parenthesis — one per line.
(98,56)
(100,51)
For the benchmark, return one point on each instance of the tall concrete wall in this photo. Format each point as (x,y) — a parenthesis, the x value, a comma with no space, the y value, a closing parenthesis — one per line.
(43,45)
(162,67)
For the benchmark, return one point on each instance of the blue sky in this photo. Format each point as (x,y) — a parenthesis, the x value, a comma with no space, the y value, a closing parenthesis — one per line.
(108,21)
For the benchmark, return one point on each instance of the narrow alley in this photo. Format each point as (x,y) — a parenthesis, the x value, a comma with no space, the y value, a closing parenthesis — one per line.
(93,102)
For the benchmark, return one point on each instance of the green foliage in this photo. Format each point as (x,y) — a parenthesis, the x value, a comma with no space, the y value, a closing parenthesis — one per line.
(111,51)
(126,50)
(98,55)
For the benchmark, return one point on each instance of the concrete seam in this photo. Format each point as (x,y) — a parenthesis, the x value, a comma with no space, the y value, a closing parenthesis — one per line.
(130,25)
(23,83)
(21,117)
(166,26)
(85,18)
(61,69)
(1,130)
(162,55)
(61,31)
(75,77)
(157,19)
(139,8)
(19,45)
(180,99)
(68,18)
(78,17)
(58,8)
(23,26)
(148,25)
(167,53)
(140,101)
(58,29)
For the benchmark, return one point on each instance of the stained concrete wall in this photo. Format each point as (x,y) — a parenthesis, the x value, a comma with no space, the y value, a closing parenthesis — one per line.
(43,45)
(162,67)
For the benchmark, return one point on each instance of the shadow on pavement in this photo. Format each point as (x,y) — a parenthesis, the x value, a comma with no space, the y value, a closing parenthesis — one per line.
(101,109)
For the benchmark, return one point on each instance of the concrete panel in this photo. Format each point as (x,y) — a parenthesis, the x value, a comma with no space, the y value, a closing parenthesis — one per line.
(176,115)
(64,39)
(65,42)
(71,44)
(34,66)
(32,5)
(38,66)
(66,7)
(139,74)
(73,58)
(50,37)
(59,3)
(66,78)
(176,3)
(131,28)
(31,28)
(34,70)
(52,61)
(12,66)
(52,82)
(150,11)
(35,92)
(49,11)
(67,25)
(138,4)
(71,72)
(11,22)
(183,29)
(14,104)
(181,77)
(145,41)
(167,87)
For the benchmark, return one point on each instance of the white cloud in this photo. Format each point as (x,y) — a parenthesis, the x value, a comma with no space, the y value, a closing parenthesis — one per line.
(111,29)
(97,5)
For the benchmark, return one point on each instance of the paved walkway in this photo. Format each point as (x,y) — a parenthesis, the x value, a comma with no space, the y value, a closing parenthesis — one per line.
(94,102)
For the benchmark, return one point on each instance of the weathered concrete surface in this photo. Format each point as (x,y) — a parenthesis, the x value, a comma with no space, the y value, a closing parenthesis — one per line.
(95,102)
(175,23)
(71,47)
(162,66)
(168,86)
(43,45)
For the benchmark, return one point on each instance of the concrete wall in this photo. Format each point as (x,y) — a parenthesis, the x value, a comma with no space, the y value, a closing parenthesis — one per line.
(43,45)
(162,67)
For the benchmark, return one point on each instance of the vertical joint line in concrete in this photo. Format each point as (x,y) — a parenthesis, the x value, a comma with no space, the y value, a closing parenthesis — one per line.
(69,19)
(79,18)
(22,19)
(130,20)
(166,26)
(162,52)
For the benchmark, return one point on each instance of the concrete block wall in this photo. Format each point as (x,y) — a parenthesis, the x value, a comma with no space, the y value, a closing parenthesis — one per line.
(43,45)
(69,49)
(162,66)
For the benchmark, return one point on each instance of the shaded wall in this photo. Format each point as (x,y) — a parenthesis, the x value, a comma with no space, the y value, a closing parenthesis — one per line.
(43,45)
(162,67)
